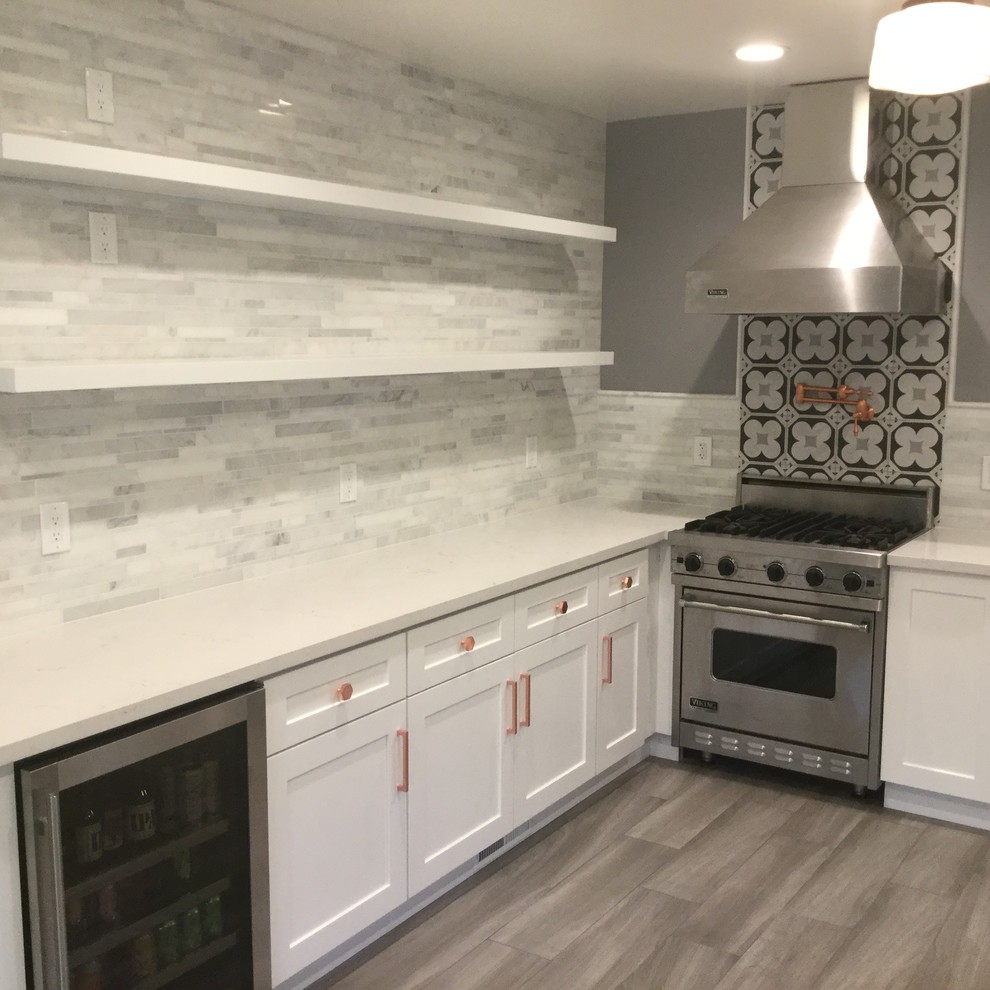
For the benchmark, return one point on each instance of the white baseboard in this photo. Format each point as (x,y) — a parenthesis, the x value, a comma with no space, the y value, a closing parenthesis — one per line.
(959,811)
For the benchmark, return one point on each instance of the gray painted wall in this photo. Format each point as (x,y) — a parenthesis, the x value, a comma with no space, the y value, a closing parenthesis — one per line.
(673,189)
(973,344)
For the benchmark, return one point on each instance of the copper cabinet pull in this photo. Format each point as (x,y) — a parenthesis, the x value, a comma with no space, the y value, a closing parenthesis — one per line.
(467,644)
(527,681)
(345,691)
(514,728)
(403,735)
(626,582)
(560,608)
(607,644)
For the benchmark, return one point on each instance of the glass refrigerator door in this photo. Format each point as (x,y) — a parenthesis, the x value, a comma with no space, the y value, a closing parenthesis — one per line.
(140,860)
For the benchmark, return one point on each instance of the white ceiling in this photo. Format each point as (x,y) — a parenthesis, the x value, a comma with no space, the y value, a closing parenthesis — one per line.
(610,59)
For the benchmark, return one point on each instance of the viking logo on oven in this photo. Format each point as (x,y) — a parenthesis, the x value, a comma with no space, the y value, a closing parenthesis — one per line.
(711,706)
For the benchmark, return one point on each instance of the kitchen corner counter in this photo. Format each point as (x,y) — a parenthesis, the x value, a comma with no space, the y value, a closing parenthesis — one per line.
(99,673)
(953,551)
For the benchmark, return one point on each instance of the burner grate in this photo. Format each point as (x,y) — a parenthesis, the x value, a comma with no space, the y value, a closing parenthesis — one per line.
(822,528)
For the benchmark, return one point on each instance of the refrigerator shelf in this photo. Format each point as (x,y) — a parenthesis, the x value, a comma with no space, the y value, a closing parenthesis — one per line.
(118,936)
(146,860)
(188,963)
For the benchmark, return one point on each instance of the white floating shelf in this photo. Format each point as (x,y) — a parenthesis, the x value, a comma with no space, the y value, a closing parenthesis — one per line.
(31,157)
(43,376)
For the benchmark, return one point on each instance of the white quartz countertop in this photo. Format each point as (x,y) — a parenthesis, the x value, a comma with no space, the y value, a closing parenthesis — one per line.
(955,551)
(100,673)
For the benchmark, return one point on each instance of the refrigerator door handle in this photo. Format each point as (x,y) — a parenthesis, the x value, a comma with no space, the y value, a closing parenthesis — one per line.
(52,843)
(46,884)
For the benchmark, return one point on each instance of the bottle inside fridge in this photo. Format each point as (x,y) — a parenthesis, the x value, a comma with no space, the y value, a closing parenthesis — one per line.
(145,856)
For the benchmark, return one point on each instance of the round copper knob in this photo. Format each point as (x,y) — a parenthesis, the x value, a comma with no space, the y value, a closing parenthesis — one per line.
(626,582)
(467,644)
(560,608)
(345,691)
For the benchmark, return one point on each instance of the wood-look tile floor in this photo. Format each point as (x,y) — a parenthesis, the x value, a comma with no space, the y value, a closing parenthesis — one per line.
(724,877)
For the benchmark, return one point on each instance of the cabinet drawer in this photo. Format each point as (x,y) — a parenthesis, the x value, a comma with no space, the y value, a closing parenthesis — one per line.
(623,580)
(458,643)
(334,691)
(555,606)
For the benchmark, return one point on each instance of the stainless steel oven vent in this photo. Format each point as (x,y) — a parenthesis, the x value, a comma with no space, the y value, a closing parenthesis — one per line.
(824,242)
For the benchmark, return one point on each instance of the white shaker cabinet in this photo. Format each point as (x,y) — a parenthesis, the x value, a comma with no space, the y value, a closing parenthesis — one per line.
(337,821)
(460,769)
(624,702)
(554,750)
(936,736)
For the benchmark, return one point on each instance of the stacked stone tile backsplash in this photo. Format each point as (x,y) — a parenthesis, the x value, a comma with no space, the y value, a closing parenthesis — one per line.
(171,490)
(917,159)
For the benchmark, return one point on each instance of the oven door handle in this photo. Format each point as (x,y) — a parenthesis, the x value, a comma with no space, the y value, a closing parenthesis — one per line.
(810,620)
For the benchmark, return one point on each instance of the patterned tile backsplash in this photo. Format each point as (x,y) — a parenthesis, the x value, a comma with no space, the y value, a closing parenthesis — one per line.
(171,490)
(916,157)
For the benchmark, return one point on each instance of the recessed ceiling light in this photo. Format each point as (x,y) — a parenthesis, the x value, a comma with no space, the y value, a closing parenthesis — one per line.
(759,53)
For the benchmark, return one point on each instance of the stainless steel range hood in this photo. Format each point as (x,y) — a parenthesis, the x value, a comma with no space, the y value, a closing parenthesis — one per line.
(823,243)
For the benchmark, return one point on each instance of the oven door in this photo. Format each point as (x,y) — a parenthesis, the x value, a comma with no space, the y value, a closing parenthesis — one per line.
(782,669)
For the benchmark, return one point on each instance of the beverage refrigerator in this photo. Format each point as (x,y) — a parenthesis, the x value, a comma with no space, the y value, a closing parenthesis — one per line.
(145,855)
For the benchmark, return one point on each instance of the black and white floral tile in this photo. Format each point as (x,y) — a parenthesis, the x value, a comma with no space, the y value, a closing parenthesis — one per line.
(916,156)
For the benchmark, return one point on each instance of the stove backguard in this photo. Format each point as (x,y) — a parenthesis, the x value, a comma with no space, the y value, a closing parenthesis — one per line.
(913,505)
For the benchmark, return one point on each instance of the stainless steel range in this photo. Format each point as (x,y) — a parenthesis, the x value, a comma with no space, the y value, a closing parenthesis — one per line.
(781,624)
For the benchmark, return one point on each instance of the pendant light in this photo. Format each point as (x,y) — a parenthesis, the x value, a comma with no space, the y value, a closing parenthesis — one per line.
(932,46)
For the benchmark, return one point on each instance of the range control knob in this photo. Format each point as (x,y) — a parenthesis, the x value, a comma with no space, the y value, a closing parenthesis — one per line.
(852,581)
(776,572)
(726,567)
(693,562)
(815,577)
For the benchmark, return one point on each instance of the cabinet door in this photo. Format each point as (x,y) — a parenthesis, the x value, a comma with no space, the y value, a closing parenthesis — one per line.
(937,679)
(337,826)
(460,763)
(623,684)
(554,751)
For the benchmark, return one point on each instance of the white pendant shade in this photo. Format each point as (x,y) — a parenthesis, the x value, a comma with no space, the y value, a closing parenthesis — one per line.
(932,47)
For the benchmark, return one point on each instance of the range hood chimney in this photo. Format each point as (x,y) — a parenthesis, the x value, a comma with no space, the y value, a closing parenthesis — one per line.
(823,243)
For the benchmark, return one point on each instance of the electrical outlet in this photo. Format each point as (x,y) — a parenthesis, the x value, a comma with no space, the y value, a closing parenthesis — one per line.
(531,452)
(103,238)
(55,536)
(985,477)
(99,96)
(703,451)
(348,482)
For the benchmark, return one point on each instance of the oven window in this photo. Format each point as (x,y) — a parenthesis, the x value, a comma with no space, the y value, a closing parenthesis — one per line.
(773,662)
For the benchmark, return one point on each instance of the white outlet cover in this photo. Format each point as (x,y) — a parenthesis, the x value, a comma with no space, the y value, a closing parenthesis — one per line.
(531,452)
(985,477)
(99,96)
(103,238)
(55,534)
(348,482)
